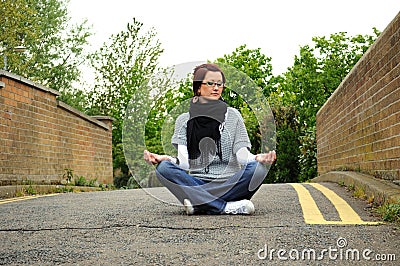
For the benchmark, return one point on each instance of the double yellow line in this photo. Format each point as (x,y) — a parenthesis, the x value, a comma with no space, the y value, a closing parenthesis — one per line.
(4,201)
(312,214)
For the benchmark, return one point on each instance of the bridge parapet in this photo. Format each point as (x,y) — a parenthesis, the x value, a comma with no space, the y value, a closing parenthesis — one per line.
(358,128)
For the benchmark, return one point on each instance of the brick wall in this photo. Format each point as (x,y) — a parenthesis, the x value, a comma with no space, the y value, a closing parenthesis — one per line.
(358,128)
(40,136)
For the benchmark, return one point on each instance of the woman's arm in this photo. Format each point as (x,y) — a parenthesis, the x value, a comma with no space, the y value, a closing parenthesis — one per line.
(244,156)
(183,157)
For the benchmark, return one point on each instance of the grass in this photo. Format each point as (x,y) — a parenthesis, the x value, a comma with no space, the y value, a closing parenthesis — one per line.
(390,212)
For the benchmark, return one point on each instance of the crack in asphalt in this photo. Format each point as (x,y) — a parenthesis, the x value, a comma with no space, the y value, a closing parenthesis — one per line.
(137,226)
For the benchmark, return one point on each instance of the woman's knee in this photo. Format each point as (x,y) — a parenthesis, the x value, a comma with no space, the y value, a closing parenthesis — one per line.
(261,171)
(257,169)
(257,173)
(163,169)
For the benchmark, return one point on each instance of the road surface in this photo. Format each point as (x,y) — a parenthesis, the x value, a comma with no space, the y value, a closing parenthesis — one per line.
(294,224)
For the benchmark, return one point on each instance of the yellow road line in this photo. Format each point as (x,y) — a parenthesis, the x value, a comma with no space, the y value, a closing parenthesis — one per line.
(312,214)
(4,201)
(346,213)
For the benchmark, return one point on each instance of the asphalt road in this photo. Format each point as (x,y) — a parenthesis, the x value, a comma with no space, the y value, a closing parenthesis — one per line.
(131,227)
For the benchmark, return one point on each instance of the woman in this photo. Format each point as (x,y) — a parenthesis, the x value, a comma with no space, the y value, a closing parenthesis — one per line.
(214,173)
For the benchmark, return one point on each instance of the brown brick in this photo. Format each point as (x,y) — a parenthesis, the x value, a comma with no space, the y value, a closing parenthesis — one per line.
(39,139)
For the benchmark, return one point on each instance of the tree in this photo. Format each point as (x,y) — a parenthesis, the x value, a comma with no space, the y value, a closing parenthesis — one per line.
(252,63)
(54,48)
(317,71)
(257,67)
(121,68)
(17,22)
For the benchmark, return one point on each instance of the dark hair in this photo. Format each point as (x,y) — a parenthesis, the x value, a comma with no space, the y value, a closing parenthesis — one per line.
(200,72)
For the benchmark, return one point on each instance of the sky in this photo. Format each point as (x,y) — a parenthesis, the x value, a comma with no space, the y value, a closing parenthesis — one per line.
(208,29)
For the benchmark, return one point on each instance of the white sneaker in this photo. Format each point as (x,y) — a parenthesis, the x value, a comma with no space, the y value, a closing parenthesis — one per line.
(239,207)
(188,207)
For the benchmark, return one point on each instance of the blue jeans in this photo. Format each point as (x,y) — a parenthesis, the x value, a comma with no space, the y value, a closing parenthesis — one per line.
(211,197)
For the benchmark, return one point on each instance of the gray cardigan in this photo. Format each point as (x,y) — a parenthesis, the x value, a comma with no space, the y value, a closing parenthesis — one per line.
(233,137)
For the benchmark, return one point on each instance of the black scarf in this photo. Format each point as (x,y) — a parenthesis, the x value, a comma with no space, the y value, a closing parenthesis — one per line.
(206,119)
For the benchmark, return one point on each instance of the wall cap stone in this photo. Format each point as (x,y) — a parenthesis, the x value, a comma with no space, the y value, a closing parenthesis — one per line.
(382,190)
(103,117)
(26,81)
(82,115)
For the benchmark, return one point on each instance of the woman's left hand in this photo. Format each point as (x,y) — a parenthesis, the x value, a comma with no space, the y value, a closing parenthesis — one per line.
(268,158)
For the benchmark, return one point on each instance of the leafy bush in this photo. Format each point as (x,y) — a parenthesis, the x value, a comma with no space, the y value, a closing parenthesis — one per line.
(308,155)
(286,168)
(80,181)
(390,212)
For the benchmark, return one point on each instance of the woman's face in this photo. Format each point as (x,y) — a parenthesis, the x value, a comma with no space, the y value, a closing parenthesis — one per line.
(212,85)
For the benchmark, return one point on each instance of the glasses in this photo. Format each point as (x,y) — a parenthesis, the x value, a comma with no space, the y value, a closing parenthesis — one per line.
(212,84)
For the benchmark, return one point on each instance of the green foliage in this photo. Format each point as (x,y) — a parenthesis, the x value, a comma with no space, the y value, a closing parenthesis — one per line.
(122,67)
(54,47)
(251,62)
(160,124)
(92,182)
(68,175)
(30,190)
(80,181)
(308,155)
(390,212)
(296,96)
(63,189)
(120,181)
(75,98)
(17,23)
(132,183)
(286,167)
(258,68)
(318,71)
(119,158)
(83,182)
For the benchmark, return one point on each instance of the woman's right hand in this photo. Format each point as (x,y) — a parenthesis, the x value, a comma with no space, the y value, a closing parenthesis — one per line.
(152,158)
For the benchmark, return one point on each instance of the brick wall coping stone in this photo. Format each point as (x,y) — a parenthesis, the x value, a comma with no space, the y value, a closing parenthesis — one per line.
(92,119)
(102,117)
(26,81)
(382,191)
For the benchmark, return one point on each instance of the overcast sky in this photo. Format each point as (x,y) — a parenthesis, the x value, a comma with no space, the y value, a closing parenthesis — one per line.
(208,29)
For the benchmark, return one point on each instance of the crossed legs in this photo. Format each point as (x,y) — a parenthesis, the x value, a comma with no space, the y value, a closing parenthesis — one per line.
(211,197)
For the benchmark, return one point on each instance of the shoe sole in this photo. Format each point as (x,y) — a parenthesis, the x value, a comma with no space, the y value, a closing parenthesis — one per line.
(249,209)
(188,207)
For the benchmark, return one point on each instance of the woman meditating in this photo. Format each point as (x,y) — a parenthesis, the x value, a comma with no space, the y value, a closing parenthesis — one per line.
(214,172)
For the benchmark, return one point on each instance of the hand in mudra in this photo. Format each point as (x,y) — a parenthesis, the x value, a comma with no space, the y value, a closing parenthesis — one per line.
(268,158)
(153,158)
